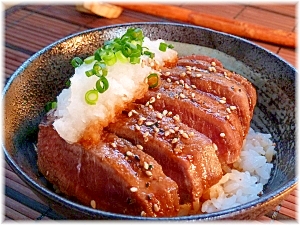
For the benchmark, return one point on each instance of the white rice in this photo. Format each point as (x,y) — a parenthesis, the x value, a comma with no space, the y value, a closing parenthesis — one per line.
(125,81)
(249,173)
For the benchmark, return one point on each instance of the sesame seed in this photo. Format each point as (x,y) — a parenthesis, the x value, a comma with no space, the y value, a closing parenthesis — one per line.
(146,134)
(181,82)
(129,153)
(213,63)
(140,147)
(152,99)
(159,115)
(137,127)
(185,135)
(146,166)
(169,113)
(188,72)
(228,110)
(191,134)
(149,123)
(156,129)
(222,101)
(176,96)
(143,213)
(225,73)
(113,145)
(171,131)
(158,96)
(186,86)
(165,112)
(232,107)
(182,74)
(174,140)
(149,173)
(133,189)
(135,112)
(176,128)
(130,114)
(176,82)
(176,117)
(210,69)
(181,95)
(155,207)
(188,68)
(215,147)
(167,73)
(222,134)
(93,204)
(181,131)
(167,133)
(198,75)
(227,117)
(169,80)
(193,86)
(150,106)
(193,95)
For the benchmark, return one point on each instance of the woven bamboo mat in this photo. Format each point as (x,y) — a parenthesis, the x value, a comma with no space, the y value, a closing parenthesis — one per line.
(29,28)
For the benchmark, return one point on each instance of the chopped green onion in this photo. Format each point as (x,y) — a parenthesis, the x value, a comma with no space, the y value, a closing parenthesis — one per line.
(150,54)
(50,105)
(135,60)
(109,57)
(153,80)
(89,73)
(91,97)
(171,46)
(163,46)
(89,59)
(76,62)
(100,69)
(68,83)
(102,84)
(121,57)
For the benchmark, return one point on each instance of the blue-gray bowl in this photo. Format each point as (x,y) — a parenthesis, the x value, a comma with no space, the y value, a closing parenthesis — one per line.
(42,77)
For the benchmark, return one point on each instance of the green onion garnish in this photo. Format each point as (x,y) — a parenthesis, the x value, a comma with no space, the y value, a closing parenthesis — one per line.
(100,69)
(91,97)
(102,84)
(89,73)
(153,80)
(76,62)
(68,83)
(163,47)
(89,59)
(127,48)
(50,105)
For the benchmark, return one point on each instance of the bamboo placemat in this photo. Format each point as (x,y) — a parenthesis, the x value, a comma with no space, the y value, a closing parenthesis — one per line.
(29,28)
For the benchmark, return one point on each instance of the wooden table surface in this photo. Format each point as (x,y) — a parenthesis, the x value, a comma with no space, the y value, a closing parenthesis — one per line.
(29,28)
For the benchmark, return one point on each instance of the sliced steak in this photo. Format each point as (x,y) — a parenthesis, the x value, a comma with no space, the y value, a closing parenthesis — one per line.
(215,67)
(186,156)
(229,92)
(111,176)
(203,113)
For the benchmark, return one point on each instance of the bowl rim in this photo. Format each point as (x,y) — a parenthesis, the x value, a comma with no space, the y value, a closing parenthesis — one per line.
(290,185)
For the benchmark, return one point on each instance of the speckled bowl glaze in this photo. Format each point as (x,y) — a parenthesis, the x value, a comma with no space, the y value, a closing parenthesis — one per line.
(42,77)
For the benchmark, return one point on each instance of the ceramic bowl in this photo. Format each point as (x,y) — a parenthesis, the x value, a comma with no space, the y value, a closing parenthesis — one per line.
(41,78)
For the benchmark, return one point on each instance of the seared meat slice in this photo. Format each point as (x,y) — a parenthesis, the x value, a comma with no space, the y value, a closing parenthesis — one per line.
(215,67)
(230,92)
(203,113)
(186,156)
(111,176)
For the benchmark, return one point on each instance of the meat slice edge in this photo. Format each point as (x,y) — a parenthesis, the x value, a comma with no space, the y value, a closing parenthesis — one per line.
(186,156)
(110,176)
